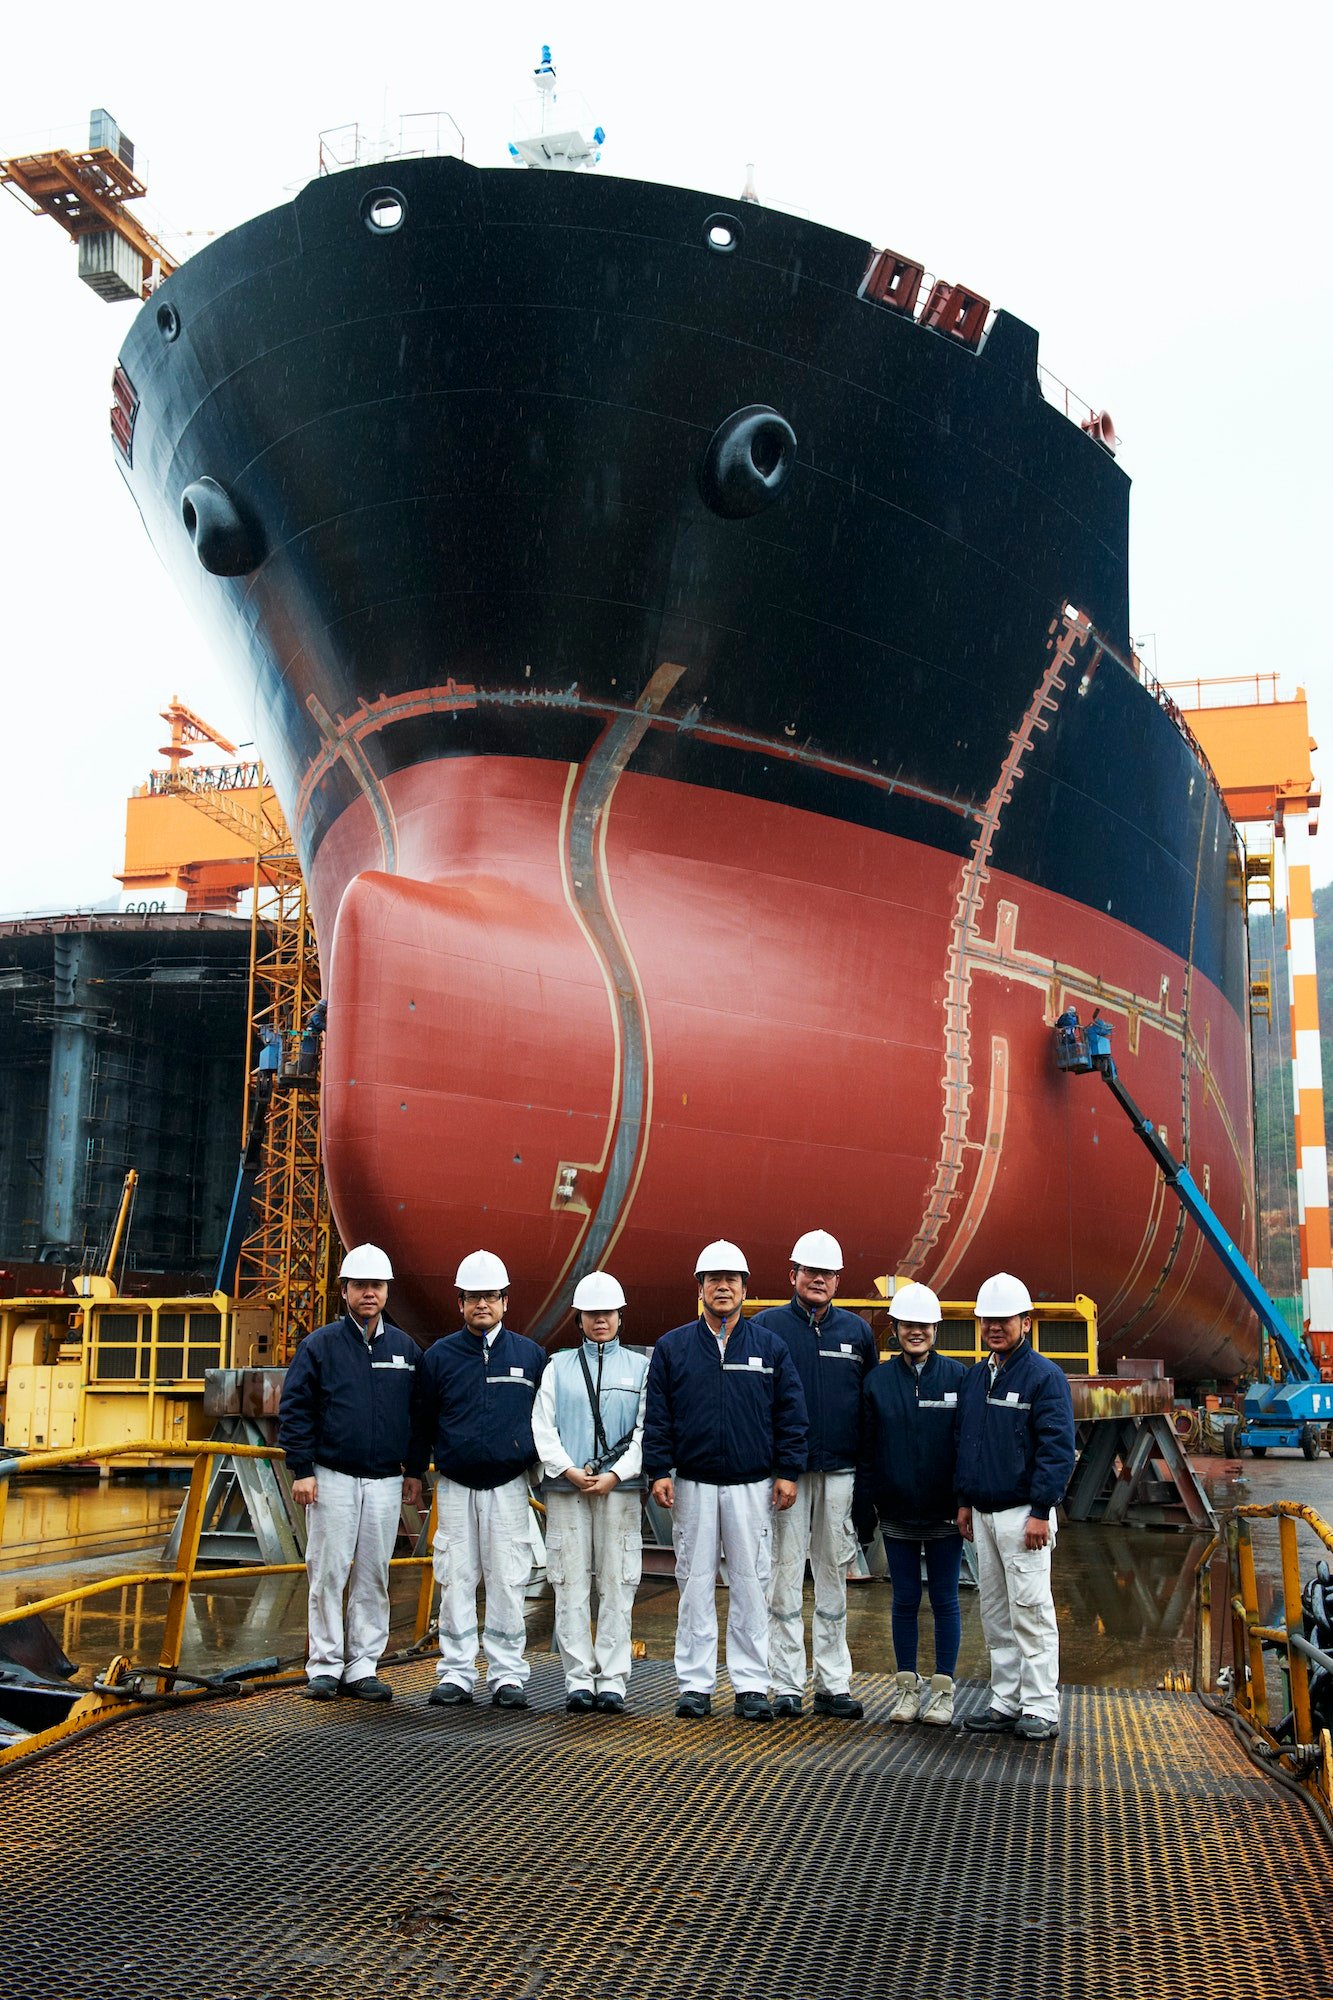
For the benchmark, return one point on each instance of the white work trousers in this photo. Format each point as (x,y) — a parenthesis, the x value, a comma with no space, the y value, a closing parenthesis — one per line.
(482,1535)
(594,1538)
(709,1522)
(351,1527)
(818,1525)
(1018,1615)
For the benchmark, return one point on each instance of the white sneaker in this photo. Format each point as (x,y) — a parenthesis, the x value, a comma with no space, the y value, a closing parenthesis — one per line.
(906,1698)
(937,1701)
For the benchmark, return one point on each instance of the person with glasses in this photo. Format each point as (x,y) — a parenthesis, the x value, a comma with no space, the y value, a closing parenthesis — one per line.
(475,1392)
(588,1428)
(1015,1458)
(834,1352)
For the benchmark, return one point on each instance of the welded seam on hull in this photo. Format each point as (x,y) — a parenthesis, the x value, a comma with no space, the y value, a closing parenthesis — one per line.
(344,736)
(349,750)
(988,1168)
(602,772)
(1067,633)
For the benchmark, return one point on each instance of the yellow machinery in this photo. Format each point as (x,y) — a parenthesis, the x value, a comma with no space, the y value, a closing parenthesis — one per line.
(1066,1332)
(99,1372)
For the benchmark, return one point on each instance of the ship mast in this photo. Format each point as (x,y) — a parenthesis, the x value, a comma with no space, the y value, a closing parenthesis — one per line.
(565,151)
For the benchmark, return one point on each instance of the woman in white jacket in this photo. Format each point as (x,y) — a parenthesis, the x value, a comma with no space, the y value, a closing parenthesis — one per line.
(587,1423)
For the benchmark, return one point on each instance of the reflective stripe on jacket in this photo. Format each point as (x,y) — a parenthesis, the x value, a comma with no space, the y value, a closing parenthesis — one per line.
(725,1421)
(834,1355)
(474,1407)
(909,1427)
(1015,1435)
(348,1404)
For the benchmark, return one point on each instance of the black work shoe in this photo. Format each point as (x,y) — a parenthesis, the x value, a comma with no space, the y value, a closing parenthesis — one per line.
(752,1708)
(1033,1729)
(990,1723)
(844,1706)
(509,1695)
(321,1687)
(371,1688)
(448,1694)
(582,1702)
(786,1704)
(694,1707)
(611,1703)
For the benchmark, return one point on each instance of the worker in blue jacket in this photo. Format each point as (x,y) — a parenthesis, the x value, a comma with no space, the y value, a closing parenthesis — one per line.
(475,1393)
(1015,1458)
(905,1482)
(345,1426)
(834,1352)
(724,1444)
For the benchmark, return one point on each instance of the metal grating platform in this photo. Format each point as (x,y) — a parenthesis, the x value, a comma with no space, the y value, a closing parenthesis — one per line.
(272,1847)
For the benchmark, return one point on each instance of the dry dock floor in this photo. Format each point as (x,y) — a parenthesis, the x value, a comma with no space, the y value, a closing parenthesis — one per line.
(275,1847)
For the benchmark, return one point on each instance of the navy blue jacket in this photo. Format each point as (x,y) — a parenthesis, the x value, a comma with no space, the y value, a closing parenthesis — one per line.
(475,1408)
(725,1423)
(833,1357)
(909,1424)
(1015,1437)
(348,1405)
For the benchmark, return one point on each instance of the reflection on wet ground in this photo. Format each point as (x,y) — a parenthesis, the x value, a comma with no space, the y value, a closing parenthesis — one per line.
(1125,1596)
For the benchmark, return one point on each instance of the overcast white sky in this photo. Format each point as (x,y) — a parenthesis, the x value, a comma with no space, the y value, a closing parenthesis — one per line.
(1146,184)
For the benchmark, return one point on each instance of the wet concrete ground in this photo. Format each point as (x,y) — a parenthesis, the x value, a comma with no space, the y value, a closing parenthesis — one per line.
(1125,1597)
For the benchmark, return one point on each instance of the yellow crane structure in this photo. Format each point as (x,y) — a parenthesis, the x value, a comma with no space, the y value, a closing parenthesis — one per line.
(86,192)
(287,1251)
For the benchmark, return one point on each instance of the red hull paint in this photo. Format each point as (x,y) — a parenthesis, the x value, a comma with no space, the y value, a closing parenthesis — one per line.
(720,1043)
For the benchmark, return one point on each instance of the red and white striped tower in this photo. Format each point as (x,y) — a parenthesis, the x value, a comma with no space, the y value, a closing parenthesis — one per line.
(1307,1077)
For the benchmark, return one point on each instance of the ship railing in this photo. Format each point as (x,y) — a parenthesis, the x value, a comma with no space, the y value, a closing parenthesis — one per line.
(1254,690)
(243,777)
(1282,1713)
(421,135)
(123,1688)
(1061,397)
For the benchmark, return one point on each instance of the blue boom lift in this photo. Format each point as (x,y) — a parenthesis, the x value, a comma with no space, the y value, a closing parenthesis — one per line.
(1289,1413)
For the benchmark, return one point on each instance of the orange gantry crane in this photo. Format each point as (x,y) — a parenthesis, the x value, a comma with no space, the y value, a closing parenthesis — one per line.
(1259,746)
(217,832)
(86,193)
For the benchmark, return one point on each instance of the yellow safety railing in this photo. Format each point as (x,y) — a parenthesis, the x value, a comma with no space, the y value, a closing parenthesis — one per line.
(1307,1760)
(1063,1330)
(97,1706)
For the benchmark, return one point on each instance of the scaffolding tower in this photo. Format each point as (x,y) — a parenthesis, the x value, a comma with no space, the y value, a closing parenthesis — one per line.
(287,1257)
(288,1254)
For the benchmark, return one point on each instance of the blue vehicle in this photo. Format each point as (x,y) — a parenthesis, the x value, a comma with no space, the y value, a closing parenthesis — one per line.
(1290,1413)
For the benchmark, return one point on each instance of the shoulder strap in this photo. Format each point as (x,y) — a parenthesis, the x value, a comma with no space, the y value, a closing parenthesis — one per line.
(594,1399)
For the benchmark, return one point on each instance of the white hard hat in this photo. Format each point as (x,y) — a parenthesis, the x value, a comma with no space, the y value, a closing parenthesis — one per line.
(366,1261)
(721,1256)
(917,1303)
(597,1293)
(818,1251)
(1002,1296)
(481,1271)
